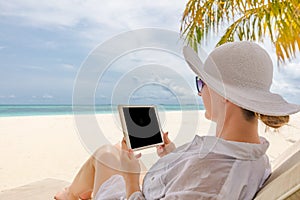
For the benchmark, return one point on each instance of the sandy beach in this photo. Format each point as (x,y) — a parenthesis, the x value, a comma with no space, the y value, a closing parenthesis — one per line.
(38,147)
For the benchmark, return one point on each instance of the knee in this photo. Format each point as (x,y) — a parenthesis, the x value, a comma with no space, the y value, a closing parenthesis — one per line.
(106,154)
(105,149)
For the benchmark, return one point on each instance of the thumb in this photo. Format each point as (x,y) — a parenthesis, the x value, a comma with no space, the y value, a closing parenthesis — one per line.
(166,138)
(124,145)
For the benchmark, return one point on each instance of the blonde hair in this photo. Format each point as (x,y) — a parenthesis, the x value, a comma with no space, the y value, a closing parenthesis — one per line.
(274,121)
(271,121)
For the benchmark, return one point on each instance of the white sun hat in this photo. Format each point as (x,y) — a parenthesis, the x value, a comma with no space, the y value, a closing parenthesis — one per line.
(241,72)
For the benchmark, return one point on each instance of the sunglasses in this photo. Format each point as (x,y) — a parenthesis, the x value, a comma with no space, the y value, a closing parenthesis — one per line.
(199,83)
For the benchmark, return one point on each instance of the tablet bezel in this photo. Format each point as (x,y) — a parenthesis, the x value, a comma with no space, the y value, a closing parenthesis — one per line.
(125,130)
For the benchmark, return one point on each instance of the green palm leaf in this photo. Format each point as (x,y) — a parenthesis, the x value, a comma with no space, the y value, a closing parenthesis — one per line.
(248,20)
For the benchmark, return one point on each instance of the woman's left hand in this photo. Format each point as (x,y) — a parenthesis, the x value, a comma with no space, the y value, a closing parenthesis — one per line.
(130,164)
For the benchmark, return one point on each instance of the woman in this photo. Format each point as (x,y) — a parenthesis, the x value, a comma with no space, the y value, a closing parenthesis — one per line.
(234,83)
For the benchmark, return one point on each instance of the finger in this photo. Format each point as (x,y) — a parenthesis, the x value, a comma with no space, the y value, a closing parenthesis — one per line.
(138,156)
(124,145)
(130,154)
(166,138)
(160,149)
(160,146)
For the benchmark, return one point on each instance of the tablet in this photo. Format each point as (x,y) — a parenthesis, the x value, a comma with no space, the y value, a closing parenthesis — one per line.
(141,126)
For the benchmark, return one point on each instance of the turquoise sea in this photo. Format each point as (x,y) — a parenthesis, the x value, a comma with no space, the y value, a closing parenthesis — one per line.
(36,110)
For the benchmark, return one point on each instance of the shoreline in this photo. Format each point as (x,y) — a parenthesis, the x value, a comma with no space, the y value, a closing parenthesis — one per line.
(55,110)
(100,113)
(38,147)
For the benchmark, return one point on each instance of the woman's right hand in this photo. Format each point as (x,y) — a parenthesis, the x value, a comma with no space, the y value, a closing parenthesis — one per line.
(167,147)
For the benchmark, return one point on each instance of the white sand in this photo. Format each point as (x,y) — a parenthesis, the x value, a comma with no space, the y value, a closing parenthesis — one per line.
(38,147)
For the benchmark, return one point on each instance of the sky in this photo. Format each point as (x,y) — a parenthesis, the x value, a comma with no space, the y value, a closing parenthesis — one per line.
(45,47)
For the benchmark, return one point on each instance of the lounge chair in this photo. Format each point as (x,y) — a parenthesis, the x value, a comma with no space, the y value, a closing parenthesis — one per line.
(40,190)
(284,182)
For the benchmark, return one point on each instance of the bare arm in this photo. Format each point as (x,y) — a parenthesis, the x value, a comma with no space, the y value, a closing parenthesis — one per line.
(131,169)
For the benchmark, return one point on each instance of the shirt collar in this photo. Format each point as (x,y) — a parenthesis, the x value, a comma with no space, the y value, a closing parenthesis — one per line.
(238,150)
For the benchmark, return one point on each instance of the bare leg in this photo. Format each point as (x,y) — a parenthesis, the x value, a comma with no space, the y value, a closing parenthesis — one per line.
(106,164)
(97,169)
(103,164)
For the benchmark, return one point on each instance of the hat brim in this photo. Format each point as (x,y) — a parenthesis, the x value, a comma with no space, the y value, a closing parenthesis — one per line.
(262,102)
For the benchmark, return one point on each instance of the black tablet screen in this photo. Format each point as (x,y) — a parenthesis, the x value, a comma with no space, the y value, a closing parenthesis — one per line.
(142,126)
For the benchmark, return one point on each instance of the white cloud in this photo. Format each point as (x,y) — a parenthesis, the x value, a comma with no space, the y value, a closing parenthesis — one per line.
(93,17)
(143,57)
(47,96)
(162,87)
(51,45)
(164,81)
(96,20)
(68,66)
(286,81)
(45,13)
(291,70)
(11,96)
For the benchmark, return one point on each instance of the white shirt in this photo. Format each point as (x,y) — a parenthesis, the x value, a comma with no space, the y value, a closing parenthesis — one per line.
(208,168)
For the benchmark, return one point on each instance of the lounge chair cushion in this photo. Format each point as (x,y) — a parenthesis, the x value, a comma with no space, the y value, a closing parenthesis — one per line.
(40,190)
(284,182)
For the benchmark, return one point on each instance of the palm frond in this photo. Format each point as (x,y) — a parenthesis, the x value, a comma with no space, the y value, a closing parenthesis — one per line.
(248,20)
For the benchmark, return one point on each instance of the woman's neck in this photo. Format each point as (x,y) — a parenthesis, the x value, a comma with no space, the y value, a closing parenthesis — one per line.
(235,127)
